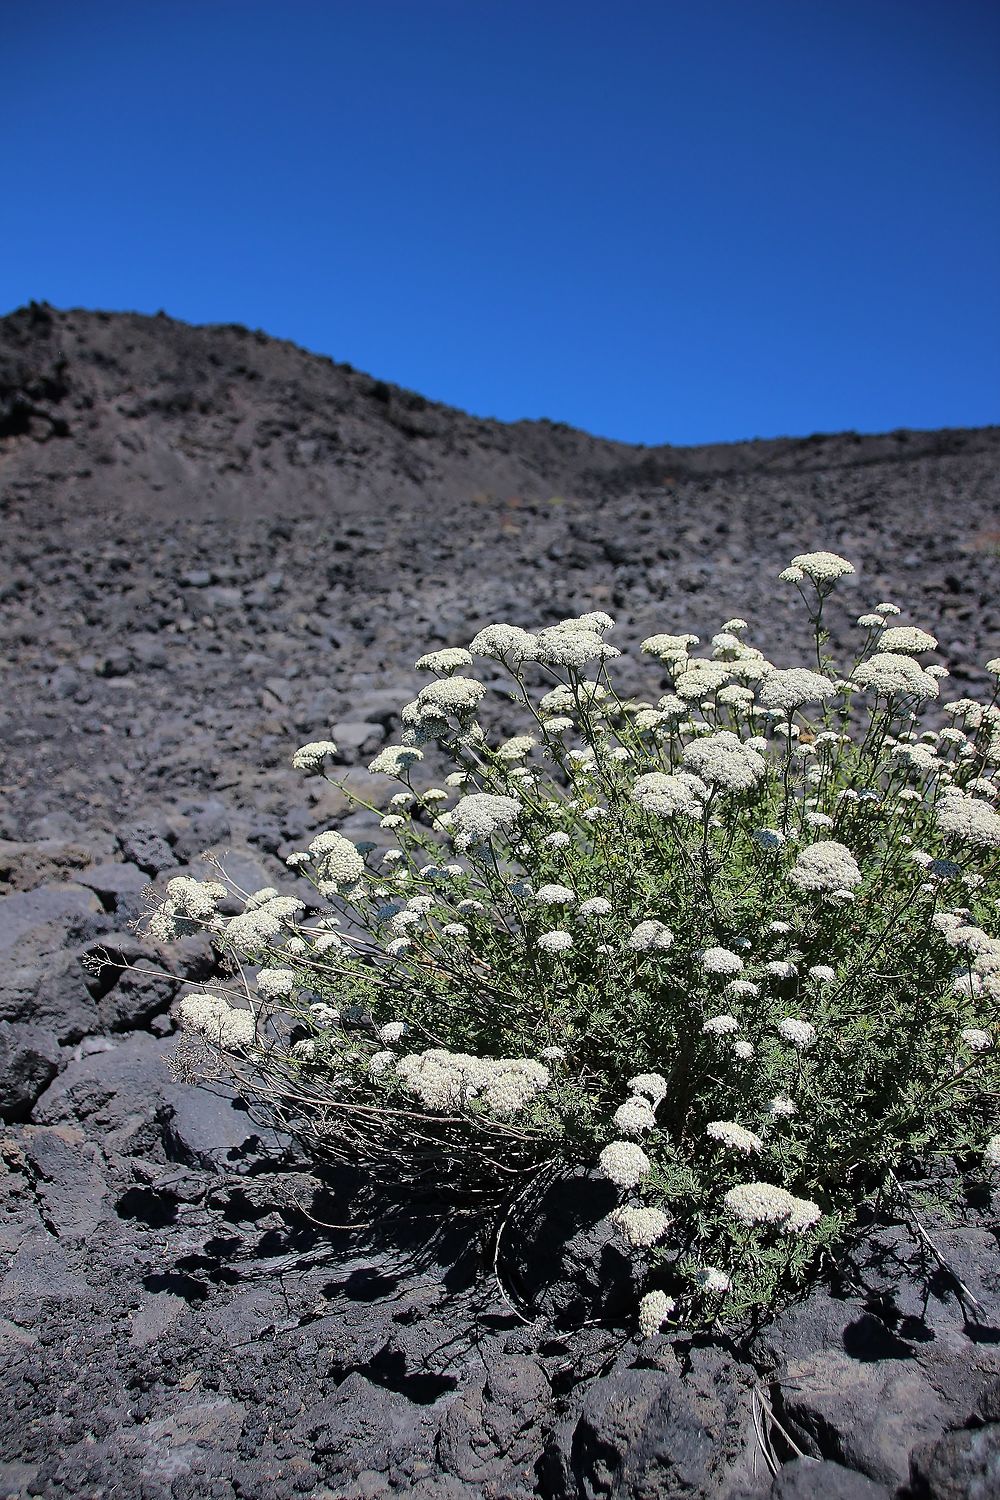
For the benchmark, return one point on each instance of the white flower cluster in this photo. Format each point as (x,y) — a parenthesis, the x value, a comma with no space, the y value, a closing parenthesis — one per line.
(634,1117)
(821,567)
(194,900)
(640,1227)
(451,1081)
(967,818)
(784,692)
(723,760)
(336,860)
(481,815)
(825,866)
(625,1163)
(449,659)
(651,936)
(763,1203)
(395,760)
(736,1137)
(654,1310)
(679,794)
(310,757)
(260,925)
(721,961)
(217,1021)
(892,674)
(506,643)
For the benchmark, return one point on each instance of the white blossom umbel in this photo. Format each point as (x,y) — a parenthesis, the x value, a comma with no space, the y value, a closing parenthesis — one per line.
(724,761)
(625,1163)
(217,1021)
(640,1227)
(825,866)
(784,692)
(481,815)
(654,1310)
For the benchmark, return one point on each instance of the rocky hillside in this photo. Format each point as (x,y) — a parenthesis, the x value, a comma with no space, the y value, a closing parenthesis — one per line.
(216,546)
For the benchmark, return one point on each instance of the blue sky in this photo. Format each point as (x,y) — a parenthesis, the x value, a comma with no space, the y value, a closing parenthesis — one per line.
(657,220)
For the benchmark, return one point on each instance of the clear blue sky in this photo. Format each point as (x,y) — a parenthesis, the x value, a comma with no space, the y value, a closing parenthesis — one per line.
(661,220)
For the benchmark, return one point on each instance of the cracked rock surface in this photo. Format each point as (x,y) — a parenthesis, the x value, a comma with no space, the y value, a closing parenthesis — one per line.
(216,547)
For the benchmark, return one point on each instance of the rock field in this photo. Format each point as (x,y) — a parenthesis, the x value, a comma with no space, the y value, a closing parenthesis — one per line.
(216,546)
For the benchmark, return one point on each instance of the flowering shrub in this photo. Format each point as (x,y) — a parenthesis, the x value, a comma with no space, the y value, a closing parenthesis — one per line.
(734,945)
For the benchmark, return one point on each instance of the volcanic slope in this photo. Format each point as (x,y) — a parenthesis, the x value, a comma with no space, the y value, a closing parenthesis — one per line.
(216,543)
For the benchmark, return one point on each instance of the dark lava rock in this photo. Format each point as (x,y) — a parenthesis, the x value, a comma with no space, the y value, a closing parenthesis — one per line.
(29,1059)
(961,1466)
(807,1479)
(562,1254)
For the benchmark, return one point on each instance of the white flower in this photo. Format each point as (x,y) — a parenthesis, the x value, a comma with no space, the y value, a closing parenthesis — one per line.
(557,840)
(803,1215)
(554,942)
(781,968)
(890,673)
(481,815)
(799,1034)
(968,818)
(991,1155)
(564,646)
(907,638)
(783,692)
(447,660)
(311,757)
(650,936)
(634,1117)
(743,1050)
(397,946)
(392,1031)
(668,648)
(653,1085)
(728,1133)
(976,1040)
(742,988)
(218,1021)
(594,906)
(640,1227)
(336,859)
(625,1163)
(759,1203)
(272,983)
(394,760)
(822,567)
(711,1280)
(654,1310)
(720,1025)
(454,930)
(888,609)
(702,677)
(507,643)
(670,795)
(380,1063)
(825,866)
(723,760)
(555,895)
(782,1108)
(553,1054)
(822,973)
(721,961)
(450,695)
